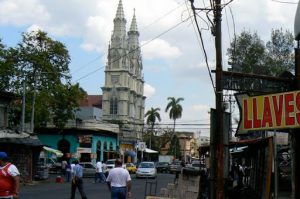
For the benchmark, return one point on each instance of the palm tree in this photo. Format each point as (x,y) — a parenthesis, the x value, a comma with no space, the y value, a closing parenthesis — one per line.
(152,115)
(175,112)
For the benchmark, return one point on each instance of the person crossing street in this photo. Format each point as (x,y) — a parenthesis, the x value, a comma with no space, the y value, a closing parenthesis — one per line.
(77,181)
(119,181)
(99,172)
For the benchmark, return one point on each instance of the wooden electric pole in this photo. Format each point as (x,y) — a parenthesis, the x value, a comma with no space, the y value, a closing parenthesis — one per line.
(217,137)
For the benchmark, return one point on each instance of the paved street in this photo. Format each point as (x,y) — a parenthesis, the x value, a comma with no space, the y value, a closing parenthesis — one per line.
(50,190)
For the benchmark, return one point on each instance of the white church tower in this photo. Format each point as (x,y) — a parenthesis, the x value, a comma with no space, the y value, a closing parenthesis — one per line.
(123,91)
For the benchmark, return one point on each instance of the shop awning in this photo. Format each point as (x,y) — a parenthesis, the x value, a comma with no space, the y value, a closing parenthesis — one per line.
(58,153)
(150,151)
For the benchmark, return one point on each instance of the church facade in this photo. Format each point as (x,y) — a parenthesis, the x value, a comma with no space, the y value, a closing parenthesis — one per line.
(123,100)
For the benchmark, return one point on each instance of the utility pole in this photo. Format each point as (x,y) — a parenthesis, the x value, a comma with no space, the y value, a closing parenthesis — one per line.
(217,183)
(217,155)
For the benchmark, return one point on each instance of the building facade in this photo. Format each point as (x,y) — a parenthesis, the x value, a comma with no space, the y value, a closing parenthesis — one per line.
(123,100)
(89,142)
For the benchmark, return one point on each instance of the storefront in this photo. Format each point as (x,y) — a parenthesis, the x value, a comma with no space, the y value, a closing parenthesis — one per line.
(86,145)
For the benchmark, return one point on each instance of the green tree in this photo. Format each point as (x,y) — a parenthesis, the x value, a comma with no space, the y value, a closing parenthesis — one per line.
(174,148)
(246,54)
(280,52)
(151,116)
(249,54)
(43,64)
(175,112)
(6,68)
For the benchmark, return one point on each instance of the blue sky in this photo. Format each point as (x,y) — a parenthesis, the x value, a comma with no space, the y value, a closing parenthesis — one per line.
(173,62)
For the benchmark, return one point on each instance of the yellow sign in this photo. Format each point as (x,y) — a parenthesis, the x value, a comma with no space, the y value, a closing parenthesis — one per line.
(267,112)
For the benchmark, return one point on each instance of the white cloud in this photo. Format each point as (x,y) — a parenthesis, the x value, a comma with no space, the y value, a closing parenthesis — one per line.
(20,12)
(199,111)
(159,48)
(148,90)
(34,28)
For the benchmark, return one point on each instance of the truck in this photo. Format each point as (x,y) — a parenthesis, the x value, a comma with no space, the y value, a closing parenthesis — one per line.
(165,158)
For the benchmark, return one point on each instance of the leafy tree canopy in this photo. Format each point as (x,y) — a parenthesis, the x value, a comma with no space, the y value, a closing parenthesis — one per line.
(249,54)
(43,65)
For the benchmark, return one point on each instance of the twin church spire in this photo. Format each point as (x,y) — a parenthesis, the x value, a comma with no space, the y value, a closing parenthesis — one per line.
(119,37)
(124,48)
(123,91)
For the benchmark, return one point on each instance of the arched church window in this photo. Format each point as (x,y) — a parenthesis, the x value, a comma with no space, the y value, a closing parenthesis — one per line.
(114,106)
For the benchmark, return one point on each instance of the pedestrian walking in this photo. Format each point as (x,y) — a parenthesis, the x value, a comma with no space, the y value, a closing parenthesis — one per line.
(72,169)
(9,178)
(77,181)
(68,172)
(119,181)
(63,167)
(99,172)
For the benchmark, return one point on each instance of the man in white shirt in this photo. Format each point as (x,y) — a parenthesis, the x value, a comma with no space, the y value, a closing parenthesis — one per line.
(119,181)
(99,172)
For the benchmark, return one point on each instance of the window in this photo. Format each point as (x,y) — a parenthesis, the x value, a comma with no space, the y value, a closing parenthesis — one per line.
(114,106)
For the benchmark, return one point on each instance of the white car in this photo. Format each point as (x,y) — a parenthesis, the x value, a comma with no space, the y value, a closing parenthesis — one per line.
(110,164)
(147,170)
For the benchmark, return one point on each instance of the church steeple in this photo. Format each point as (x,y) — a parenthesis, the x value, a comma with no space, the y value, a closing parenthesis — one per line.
(133,26)
(120,12)
(133,36)
(119,33)
(134,47)
(123,91)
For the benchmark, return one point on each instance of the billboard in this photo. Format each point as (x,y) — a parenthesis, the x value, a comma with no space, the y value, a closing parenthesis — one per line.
(268,112)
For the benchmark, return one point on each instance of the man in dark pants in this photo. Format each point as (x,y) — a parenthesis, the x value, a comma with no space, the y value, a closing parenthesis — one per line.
(77,181)
(119,181)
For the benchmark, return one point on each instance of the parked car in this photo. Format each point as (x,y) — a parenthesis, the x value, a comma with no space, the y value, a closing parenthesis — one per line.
(131,167)
(110,164)
(89,169)
(146,169)
(162,167)
(175,166)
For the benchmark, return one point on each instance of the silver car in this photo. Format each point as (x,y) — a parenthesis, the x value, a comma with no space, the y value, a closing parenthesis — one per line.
(147,170)
(89,169)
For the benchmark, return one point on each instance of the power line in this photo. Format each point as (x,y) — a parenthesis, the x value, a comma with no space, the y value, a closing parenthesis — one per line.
(202,44)
(146,43)
(160,18)
(98,57)
(87,64)
(285,2)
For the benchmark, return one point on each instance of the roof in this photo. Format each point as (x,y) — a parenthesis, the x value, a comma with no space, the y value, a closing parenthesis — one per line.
(22,141)
(250,142)
(92,101)
(12,137)
(7,133)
